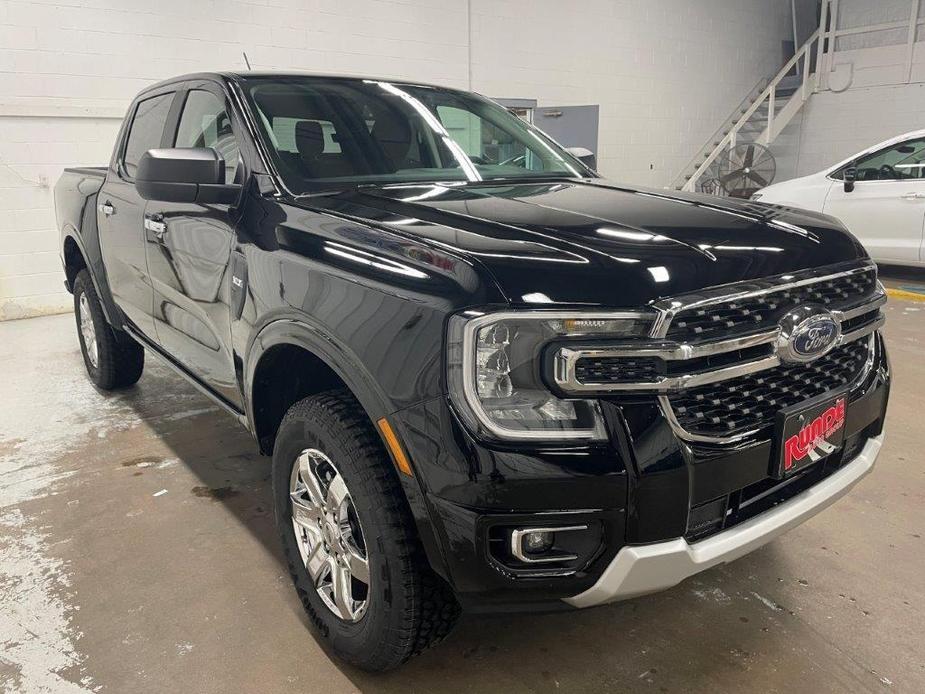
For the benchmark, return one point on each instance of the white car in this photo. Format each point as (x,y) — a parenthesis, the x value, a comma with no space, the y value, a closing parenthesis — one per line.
(879,194)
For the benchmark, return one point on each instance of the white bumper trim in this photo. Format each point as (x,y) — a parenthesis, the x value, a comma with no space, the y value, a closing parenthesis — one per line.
(641,569)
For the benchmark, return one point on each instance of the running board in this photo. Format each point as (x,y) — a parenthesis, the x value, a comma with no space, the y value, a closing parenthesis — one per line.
(188,376)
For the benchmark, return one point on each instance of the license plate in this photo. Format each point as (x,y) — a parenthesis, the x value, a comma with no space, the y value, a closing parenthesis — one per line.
(807,433)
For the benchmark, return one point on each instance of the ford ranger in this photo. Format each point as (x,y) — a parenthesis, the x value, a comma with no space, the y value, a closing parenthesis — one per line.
(488,378)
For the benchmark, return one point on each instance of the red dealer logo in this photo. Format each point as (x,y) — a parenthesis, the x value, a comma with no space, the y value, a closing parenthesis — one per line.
(813,435)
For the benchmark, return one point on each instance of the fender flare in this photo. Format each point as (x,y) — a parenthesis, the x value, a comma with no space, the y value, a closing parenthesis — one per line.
(292,328)
(94,265)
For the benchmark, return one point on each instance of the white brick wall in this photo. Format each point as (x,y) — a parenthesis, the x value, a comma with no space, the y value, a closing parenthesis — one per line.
(877,104)
(665,73)
(835,126)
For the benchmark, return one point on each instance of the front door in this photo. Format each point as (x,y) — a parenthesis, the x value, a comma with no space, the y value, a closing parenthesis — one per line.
(886,209)
(189,249)
(120,216)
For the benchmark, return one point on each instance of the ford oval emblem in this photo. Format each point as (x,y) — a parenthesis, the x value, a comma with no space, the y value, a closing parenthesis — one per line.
(815,338)
(807,333)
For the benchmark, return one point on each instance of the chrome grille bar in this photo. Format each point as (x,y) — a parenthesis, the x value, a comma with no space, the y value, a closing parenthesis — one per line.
(867,307)
(669,308)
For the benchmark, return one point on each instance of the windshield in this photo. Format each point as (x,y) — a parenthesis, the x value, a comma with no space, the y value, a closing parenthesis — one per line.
(331,132)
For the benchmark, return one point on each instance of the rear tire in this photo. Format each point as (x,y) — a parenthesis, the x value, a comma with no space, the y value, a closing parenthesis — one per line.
(113,360)
(404,607)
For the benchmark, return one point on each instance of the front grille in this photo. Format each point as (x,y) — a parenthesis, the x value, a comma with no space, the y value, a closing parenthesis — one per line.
(738,316)
(751,402)
(617,369)
(701,343)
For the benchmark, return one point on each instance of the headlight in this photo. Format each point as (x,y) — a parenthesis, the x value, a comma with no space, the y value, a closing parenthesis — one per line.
(495,372)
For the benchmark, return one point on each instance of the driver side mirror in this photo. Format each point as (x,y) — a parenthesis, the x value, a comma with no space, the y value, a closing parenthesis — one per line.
(184,174)
(850,176)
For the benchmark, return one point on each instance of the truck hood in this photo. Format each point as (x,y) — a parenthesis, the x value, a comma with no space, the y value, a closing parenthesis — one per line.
(597,243)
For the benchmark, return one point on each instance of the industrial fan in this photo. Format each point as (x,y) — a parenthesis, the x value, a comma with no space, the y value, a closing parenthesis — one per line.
(746,168)
(711,186)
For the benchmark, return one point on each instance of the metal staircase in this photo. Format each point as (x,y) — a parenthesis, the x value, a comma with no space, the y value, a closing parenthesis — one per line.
(757,122)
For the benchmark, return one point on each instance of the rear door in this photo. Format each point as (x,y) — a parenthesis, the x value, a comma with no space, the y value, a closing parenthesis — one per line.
(886,209)
(121,212)
(189,249)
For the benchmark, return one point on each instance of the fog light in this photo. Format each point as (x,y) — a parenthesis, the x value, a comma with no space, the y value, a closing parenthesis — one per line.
(538,542)
(536,545)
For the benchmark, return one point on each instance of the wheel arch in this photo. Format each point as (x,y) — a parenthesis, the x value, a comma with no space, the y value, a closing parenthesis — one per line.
(74,259)
(311,361)
(76,256)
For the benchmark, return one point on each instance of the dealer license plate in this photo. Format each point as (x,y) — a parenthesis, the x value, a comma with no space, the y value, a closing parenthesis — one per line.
(807,433)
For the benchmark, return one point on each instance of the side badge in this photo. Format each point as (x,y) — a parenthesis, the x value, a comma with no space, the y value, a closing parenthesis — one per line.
(238,284)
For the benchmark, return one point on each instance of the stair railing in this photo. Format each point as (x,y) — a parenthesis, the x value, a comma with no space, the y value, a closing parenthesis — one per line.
(809,84)
(760,85)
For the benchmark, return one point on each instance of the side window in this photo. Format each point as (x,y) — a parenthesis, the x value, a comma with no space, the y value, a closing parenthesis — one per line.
(146,131)
(485,143)
(899,162)
(205,123)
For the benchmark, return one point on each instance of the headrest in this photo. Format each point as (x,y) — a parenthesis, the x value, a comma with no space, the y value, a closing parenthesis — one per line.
(394,136)
(309,138)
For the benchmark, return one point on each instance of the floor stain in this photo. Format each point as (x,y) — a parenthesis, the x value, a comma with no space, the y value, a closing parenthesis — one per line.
(215,493)
(142,461)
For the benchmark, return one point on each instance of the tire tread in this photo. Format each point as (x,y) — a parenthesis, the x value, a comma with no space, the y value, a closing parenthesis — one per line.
(431,609)
(121,359)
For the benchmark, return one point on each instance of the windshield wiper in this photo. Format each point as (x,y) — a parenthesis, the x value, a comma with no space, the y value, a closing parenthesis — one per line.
(335,191)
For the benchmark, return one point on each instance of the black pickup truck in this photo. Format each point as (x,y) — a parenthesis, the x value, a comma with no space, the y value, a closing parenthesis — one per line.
(489,379)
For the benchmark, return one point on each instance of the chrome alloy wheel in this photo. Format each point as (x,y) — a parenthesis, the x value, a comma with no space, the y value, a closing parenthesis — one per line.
(88,331)
(328,534)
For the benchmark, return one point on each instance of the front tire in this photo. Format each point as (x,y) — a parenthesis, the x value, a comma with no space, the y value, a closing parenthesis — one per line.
(349,538)
(112,360)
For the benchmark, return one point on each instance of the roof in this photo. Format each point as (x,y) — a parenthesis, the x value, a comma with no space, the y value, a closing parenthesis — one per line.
(238,75)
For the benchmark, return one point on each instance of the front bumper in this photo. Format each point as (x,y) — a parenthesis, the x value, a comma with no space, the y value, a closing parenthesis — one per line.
(647,490)
(637,570)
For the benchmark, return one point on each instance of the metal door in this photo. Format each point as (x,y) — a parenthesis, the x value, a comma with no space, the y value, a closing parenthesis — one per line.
(570,126)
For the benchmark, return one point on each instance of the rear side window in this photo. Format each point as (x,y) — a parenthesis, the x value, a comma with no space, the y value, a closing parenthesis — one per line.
(205,123)
(147,129)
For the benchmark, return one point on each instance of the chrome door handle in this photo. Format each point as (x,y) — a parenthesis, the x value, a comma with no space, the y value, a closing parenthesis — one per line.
(159,228)
(913,196)
(107,209)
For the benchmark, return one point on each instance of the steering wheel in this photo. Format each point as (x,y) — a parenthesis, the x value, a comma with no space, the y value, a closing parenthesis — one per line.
(886,172)
(516,160)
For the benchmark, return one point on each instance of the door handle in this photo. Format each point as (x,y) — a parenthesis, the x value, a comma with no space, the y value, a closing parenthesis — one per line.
(107,209)
(156,225)
(913,196)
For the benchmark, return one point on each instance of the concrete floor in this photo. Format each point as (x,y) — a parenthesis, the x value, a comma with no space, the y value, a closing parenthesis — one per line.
(138,554)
